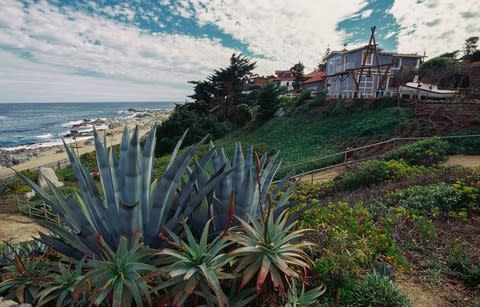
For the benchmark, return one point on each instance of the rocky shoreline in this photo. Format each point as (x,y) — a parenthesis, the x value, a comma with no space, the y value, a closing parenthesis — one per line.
(81,133)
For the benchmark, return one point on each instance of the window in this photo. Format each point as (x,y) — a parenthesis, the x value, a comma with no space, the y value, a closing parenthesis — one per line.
(369,60)
(397,63)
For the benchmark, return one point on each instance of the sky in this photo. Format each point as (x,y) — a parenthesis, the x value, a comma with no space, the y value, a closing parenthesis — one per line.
(87,51)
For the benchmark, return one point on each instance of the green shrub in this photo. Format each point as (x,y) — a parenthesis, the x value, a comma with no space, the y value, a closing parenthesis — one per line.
(187,116)
(462,266)
(342,106)
(374,172)
(376,290)
(19,186)
(349,239)
(304,95)
(242,115)
(319,99)
(66,174)
(430,199)
(427,152)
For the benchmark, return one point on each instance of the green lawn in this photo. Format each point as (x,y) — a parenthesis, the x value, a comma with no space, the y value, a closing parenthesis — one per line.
(302,137)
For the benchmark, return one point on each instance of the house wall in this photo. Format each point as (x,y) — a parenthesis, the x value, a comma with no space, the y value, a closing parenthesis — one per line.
(287,83)
(344,85)
(314,86)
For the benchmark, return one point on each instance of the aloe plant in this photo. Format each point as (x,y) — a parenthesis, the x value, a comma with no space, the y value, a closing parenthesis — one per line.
(272,249)
(23,278)
(303,298)
(120,275)
(131,201)
(195,267)
(60,287)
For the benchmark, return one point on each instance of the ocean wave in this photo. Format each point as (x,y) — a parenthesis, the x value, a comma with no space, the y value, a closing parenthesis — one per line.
(72,123)
(3,117)
(50,143)
(44,136)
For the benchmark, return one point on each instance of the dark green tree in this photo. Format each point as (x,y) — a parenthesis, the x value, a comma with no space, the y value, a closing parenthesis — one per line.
(322,66)
(471,52)
(442,71)
(297,71)
(190,116)
(471,45)
(228,84)
(268,100)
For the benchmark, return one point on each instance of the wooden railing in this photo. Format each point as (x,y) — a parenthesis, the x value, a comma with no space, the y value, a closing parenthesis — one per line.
(344,155)
(39,210)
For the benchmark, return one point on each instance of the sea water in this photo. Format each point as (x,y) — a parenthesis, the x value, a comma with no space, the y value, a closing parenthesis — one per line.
(24,124)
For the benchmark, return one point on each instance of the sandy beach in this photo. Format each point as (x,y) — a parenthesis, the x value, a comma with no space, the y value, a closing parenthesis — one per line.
(56,156)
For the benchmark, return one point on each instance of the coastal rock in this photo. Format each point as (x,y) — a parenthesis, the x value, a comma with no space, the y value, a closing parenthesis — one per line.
(46,173)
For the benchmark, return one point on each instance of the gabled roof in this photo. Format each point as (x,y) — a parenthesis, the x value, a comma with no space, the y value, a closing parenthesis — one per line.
(344,51)
(315,76)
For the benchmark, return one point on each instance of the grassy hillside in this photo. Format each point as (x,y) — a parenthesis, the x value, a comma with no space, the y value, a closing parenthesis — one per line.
(303,136)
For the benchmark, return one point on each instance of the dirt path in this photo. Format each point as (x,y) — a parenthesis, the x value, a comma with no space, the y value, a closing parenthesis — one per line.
(464,160)
(16,227)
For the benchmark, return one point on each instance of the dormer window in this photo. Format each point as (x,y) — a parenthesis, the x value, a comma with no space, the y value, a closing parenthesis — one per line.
(369,60)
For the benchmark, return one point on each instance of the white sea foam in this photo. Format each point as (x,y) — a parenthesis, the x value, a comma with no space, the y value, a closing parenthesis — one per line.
(3,117)
(44,136)
(72,123)
(51,143)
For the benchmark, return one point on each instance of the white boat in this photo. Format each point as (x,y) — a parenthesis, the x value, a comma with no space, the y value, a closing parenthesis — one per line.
(425,90)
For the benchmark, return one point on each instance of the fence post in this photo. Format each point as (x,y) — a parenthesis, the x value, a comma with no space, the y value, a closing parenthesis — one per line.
(345,159)
(312,178)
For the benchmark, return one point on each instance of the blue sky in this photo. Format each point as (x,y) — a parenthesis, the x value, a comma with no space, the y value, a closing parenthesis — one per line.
(147,50)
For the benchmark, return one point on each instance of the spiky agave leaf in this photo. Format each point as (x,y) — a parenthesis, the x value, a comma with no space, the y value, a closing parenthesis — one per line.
(276,251)
(130,201)
(250,185)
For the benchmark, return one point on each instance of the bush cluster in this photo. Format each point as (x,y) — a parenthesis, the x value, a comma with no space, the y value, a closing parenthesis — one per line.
(375,172)
(427,152)
(376,290)
(429,200)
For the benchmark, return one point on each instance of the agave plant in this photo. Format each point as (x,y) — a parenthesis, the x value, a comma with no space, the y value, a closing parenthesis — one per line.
(131,201)
(270,249)
(195,267)
(60,288)
(250,183)
(120,275)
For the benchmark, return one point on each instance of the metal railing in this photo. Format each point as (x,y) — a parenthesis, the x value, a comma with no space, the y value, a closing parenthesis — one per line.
(39,210)
(349,153)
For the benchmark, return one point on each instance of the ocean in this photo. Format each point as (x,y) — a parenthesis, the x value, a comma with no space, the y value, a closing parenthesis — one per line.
(24,124)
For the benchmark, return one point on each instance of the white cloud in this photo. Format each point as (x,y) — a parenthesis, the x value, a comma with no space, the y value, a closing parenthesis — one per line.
(435,26)
(76,46)
(75,42)
(283,31)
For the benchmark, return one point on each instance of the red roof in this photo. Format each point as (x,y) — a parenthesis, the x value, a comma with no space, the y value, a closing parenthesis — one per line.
(315,76)
(476,63)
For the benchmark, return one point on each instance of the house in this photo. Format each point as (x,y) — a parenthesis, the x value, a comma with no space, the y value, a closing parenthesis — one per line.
(284,78)
(314,81)
(366,71)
